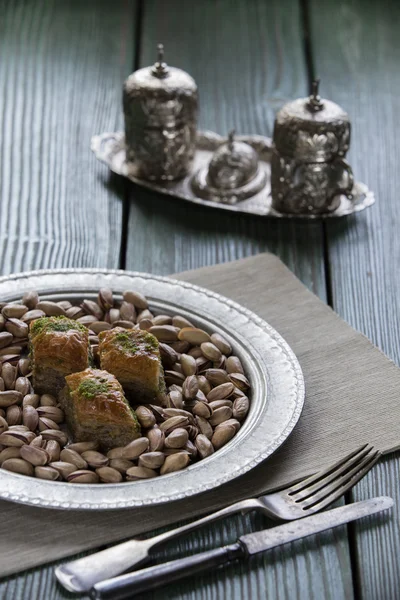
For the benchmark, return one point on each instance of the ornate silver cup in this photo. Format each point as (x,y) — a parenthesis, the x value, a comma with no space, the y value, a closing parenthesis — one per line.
(308,170)
(160,108)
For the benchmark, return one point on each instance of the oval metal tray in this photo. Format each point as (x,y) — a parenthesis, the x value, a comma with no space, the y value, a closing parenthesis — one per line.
(110,149)
(275,374)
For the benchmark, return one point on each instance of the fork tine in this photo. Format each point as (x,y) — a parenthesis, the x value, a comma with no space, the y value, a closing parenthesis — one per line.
(343,489)
(345,462)
(354,462)
(336,489)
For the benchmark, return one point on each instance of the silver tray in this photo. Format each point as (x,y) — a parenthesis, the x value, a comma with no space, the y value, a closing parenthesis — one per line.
(275,374)
(110,149)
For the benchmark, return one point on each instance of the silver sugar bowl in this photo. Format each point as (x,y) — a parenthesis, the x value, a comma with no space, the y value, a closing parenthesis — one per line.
(308,169)
(160,107)
(233,174)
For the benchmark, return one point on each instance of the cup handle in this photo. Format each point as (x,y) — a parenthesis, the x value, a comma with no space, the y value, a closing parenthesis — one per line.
(347,189)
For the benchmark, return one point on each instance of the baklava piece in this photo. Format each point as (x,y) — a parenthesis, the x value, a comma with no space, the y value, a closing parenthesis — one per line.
(58,346)
(96,409)
(133,356)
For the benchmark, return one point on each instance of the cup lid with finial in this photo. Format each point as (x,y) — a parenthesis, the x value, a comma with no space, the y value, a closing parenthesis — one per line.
(160,77)
(312,129)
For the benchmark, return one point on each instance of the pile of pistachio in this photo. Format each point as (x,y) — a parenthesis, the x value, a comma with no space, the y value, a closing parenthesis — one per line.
(205,405)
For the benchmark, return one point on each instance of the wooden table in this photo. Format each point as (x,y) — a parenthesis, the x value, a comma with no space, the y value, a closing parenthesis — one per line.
(61,70)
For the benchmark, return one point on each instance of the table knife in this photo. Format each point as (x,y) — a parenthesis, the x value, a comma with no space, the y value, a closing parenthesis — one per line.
(126,586)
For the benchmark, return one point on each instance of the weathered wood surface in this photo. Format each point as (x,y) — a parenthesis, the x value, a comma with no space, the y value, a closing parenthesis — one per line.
(247,59)
(165,238)
(358,65)
(61,71)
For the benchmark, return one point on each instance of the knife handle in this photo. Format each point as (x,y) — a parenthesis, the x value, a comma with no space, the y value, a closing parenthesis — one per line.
(126,586)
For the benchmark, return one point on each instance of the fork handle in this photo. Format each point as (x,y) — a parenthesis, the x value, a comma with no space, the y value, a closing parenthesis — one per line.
(243,506)
(81,574)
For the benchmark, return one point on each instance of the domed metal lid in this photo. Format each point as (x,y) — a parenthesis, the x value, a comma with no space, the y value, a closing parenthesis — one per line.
(232,174)
(311,129)
(312,109)
(160,76)
(233,165)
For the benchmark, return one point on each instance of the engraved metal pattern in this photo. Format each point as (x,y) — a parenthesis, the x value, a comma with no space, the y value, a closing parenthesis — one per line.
(312,188)
(311,129)
(160,108)
(310,141)
(275,374)
(110,149)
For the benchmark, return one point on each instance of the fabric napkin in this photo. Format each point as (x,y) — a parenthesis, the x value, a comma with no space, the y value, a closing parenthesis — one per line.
(352,397)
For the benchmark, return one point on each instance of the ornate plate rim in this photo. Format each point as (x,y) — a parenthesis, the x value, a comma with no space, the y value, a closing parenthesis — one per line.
(282,381)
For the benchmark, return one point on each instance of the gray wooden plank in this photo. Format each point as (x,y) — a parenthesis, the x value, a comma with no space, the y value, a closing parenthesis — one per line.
(247,59)
(320,569)
(61,70)
(358,64)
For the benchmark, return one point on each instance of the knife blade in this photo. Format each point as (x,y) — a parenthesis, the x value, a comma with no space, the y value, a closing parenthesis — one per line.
(124,586)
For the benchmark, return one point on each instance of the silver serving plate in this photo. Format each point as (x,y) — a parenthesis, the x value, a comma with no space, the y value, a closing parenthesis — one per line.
(110,149)
(275,374)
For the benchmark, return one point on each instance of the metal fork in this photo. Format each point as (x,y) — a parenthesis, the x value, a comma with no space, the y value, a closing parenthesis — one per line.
(300,500)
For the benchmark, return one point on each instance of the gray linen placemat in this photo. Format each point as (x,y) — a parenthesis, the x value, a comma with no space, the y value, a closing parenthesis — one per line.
(352,398)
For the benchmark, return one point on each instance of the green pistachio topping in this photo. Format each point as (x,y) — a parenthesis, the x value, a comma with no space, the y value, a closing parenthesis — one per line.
(89,388)
(55,324)
(141,340)
(126,342)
